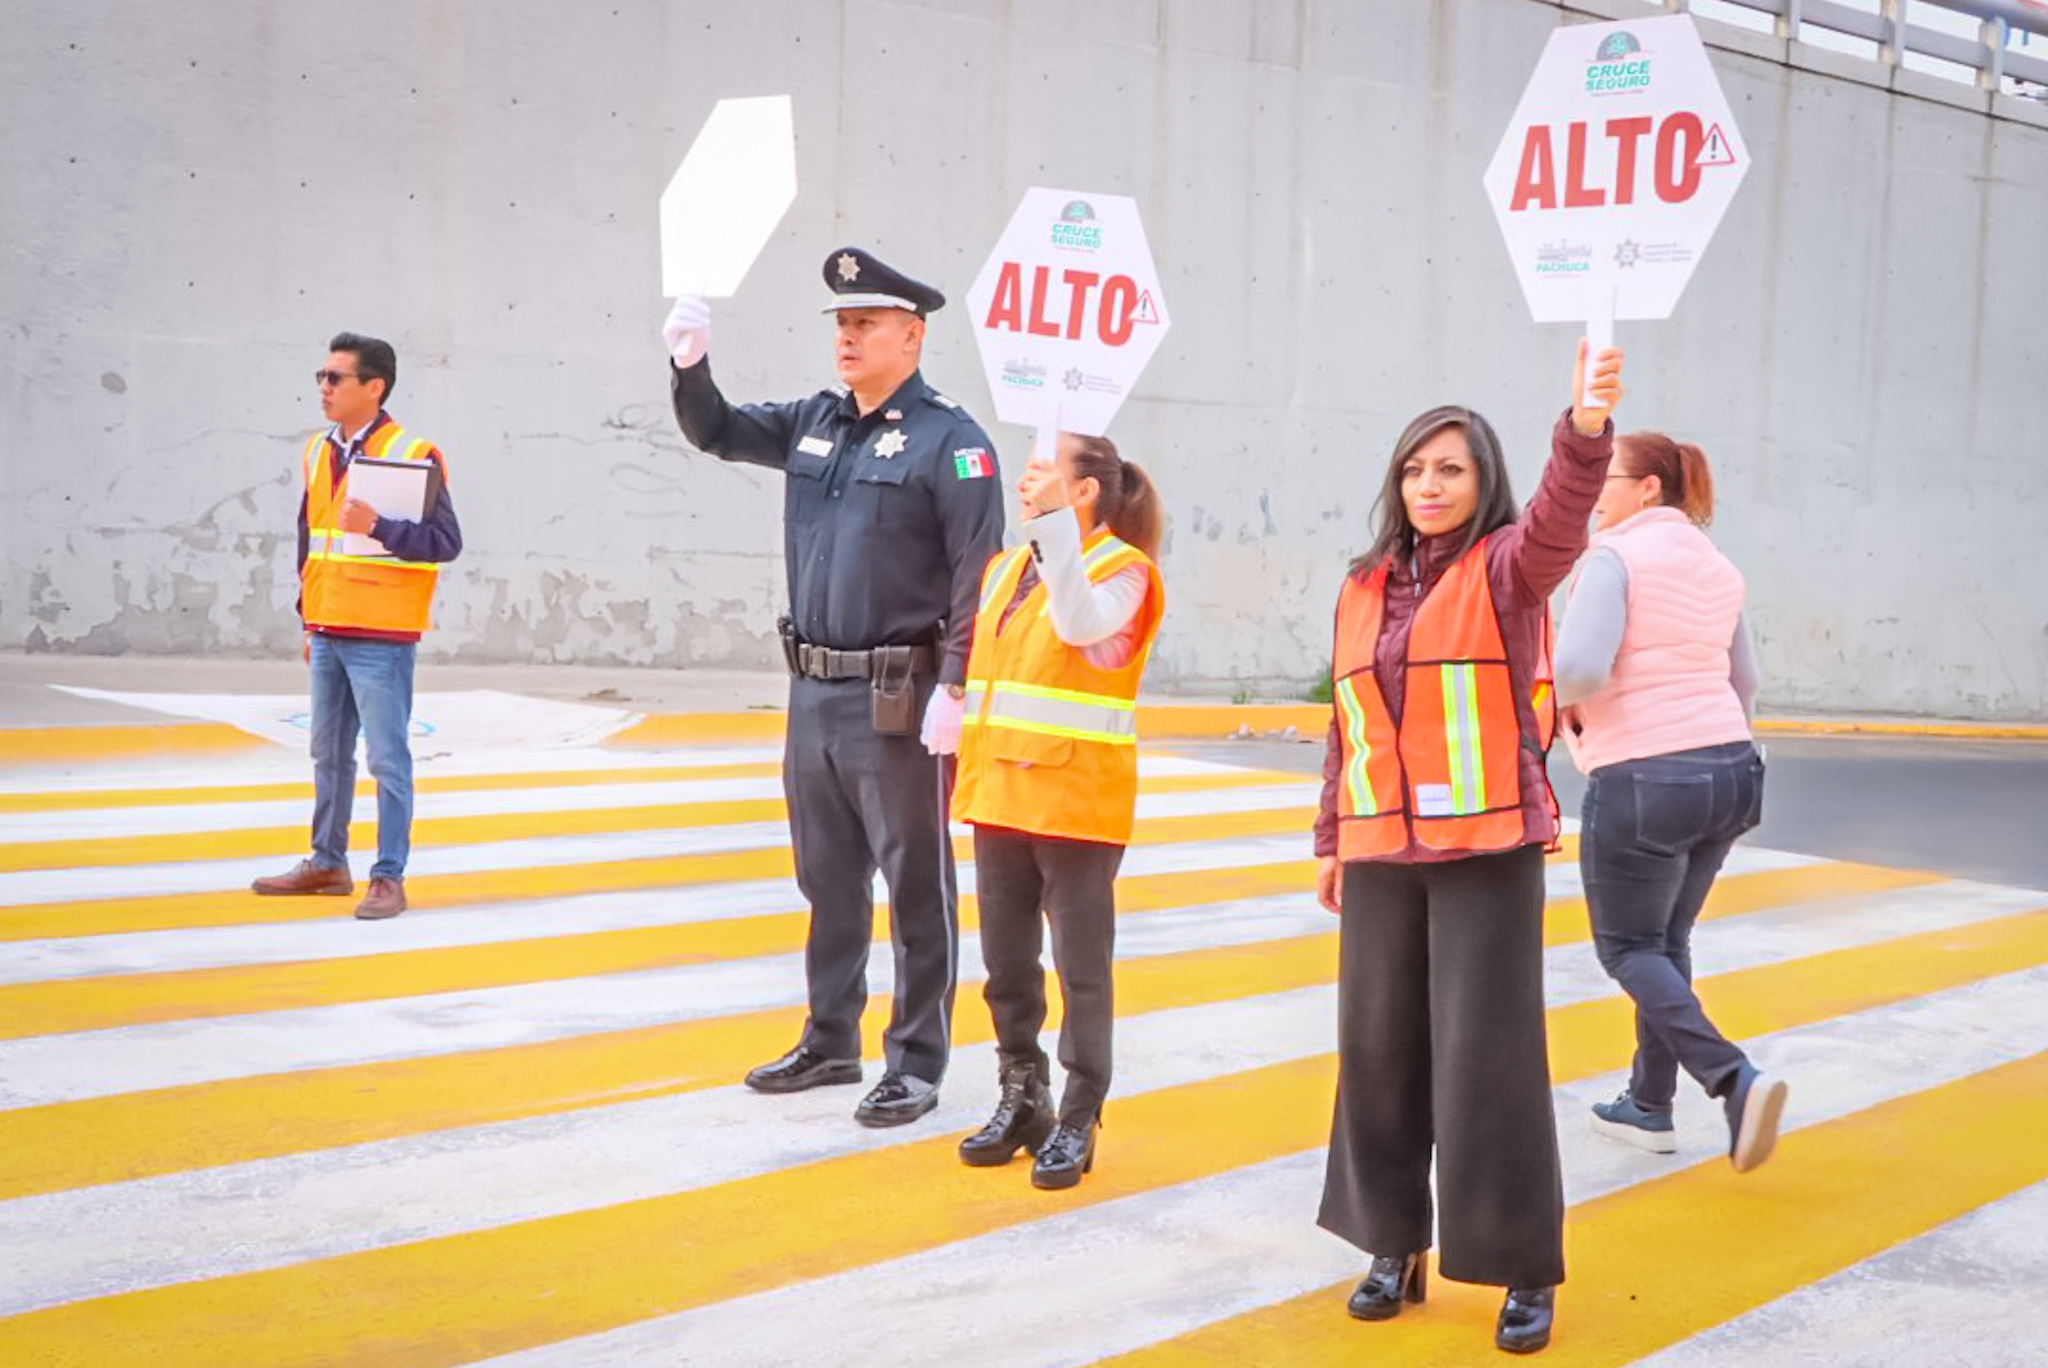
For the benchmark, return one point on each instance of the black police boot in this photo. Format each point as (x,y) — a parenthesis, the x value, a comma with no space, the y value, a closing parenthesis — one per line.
(1066,1154)
(1022,1119)
(1524,1324)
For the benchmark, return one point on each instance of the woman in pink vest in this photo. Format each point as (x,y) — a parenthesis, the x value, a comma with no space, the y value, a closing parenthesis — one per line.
(1655,671)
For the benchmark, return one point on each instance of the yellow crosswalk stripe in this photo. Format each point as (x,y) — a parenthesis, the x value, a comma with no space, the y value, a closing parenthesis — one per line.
(57,1006)
(301,790)
(105,916)
(289,842)
(245,843)
(450,1300)
(1834,1195)
(82,800)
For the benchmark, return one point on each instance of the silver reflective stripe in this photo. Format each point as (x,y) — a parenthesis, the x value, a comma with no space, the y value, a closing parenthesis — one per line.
(326,545)
(998,578)
(1103,550)
(1063,712)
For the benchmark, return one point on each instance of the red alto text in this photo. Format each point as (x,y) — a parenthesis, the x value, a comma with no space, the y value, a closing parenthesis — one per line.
(1062,309)
(1675,146)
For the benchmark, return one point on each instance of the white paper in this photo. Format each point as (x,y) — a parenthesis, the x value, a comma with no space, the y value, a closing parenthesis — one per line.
(727,197)
(396,489)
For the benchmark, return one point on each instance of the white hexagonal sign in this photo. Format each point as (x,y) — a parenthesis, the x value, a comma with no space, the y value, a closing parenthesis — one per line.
(1067,310)
(1616,169)
(726,198)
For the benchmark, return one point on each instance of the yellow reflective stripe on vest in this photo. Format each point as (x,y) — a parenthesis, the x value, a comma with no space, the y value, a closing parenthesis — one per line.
(1461,739)
(1356,776)
(1063,712)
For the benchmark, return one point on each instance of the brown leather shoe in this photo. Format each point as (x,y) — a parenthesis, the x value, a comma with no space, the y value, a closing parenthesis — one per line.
(306,877)
(386,898)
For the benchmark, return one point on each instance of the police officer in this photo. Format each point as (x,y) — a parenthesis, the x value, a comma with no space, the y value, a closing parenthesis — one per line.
(891,509)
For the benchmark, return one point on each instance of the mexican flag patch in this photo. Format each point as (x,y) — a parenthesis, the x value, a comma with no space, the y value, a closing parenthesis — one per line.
(973,463)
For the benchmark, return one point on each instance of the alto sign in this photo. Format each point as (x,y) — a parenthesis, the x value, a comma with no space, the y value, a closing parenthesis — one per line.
(1067,310)
(1615,171)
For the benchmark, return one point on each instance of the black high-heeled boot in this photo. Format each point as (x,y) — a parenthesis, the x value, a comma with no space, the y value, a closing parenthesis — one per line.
(1387,1284)
(1066,1154)
(1022,1120)
(1524,1324)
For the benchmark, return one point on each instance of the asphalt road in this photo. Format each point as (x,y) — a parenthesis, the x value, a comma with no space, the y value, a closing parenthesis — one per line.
(1967,809)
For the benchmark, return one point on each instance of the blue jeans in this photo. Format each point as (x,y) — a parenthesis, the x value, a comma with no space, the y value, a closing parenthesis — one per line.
(1655,833)
(362,686)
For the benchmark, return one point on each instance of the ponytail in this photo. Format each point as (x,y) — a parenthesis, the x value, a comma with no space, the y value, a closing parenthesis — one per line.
(1680,468)
(1698,502)
(1128,504)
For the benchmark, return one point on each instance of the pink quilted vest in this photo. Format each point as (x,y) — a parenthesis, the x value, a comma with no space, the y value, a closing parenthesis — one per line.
(1670,689)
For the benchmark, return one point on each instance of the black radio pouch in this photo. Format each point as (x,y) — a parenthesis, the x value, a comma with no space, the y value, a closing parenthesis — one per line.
(892,697)
(786,630)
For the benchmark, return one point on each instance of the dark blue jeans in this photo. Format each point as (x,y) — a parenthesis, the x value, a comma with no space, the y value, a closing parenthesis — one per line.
(1655,833)
(362,687)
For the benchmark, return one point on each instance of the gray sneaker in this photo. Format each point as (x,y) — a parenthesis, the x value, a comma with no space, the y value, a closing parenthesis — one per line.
(1644,1127)
(1753,1107)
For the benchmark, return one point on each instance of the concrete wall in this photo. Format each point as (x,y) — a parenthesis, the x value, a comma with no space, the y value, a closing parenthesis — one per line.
(192,198)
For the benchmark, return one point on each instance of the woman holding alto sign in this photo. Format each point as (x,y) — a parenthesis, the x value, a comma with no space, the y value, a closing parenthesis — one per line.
(1048,778)
(1435,815)
(1654,666)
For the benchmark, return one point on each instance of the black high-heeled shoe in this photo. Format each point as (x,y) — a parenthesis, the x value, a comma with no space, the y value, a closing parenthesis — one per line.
(1524,1324)
(1388,1283)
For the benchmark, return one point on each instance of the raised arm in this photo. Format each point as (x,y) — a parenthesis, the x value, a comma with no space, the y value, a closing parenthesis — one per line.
(758,434)
(1538,551)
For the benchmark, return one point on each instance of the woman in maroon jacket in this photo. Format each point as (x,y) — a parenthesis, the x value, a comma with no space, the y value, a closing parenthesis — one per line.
(1430,847)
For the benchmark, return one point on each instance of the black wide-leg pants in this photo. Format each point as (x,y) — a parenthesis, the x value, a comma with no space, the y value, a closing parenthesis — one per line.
(1441,1046)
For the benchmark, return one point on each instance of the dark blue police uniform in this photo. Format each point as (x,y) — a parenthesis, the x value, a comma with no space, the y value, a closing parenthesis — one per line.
(889,519)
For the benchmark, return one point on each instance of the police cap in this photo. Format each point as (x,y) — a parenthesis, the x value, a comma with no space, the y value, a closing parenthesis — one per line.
(859,279)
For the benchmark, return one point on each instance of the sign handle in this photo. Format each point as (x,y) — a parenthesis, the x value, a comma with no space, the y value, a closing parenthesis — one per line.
(1599,325)
(1047,443)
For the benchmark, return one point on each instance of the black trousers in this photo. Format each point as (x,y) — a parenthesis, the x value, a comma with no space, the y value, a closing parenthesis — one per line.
(1016,877)
(1441,1044)
(859,802)
(1654,834)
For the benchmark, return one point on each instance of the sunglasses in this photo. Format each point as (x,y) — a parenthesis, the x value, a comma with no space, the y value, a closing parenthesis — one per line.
(334,378)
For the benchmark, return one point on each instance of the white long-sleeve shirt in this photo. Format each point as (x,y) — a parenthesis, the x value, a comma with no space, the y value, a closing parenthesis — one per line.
(1100,620)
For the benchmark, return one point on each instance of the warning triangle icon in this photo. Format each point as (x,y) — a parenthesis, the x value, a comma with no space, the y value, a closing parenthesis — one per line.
(1146,311)
(1715,151)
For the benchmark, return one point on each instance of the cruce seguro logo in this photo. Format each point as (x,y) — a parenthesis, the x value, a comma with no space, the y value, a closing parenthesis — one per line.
(1618,64)
(1076,227)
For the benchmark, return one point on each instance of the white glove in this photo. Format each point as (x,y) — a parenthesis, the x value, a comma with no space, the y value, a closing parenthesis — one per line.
(941,730)
(688,330)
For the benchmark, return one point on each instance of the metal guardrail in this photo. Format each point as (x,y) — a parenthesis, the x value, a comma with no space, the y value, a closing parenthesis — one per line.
(1998,68)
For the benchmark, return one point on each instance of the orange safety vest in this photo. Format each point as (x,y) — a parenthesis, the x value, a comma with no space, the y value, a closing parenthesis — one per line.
(1450,776)
(375,593)
(1048,742)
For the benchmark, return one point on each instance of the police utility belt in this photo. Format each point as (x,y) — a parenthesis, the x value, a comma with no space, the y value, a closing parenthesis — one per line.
(889,670)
